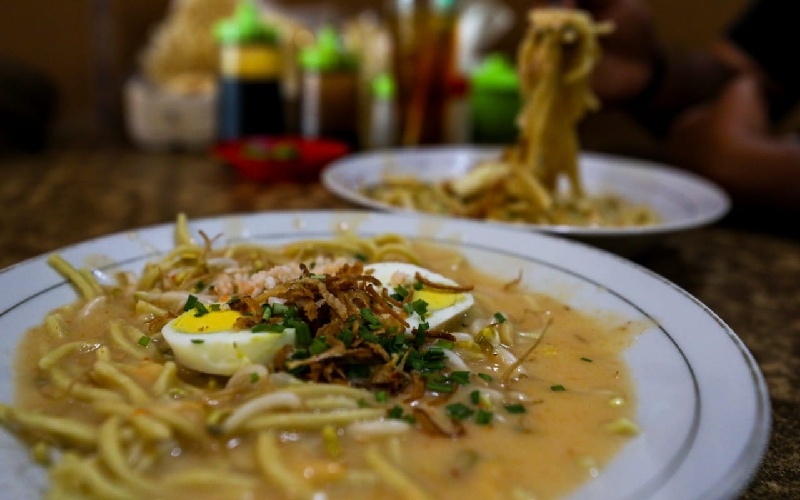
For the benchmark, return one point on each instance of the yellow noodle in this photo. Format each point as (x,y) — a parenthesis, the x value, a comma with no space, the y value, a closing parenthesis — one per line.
(330,403)
(81,390)
(311,420)
(118,337)
(165,379)
(56,355)
(112,455)
(85,288)
(393,476)
(62,428)
(147,426)
(310,389)
(275,400)
(72,471)
(55,326)
(107,371)
(275,471)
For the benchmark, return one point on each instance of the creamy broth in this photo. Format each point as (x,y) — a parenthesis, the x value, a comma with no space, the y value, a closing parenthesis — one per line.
(578,397)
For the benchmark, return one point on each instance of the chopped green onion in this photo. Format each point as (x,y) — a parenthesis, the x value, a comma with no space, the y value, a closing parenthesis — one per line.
(516,409)
(395,411)
(459,377)
(459,411)
(557,388)
(198,341)
(475,396)
(485,377)
(483,417)
(445,344)
(360,256)
(254,377)
(499,317)
(318,346)
(381,396)
(144,341)
(588,360)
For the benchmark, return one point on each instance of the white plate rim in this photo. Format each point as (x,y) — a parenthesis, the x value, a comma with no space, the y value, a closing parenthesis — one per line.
(551,252)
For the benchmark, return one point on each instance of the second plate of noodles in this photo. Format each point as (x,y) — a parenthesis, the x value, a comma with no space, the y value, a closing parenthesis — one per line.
(658,199)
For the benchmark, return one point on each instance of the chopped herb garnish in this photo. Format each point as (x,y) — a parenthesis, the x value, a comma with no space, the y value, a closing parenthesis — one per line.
(498,316)
(418,285)
(485,377)
(373,321)
(302,332)
(459,377)
(483,417)
(395,411)
(144,341)
(362,403)
(381,396)
(459,411)
(214,307)
(445,344)
(557,388)
(193,302)
(516,409)
(254,377)
(420,307)
(588,360)
(318,346)
(360,256)
(198,341)
(475,396)
(440,386)
(267,312)
(400,293)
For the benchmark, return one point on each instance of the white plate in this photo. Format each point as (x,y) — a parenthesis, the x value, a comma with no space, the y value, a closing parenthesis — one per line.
(703,404)
(683,200)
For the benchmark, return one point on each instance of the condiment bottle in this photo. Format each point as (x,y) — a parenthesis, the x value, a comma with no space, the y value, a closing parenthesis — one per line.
(250,97)
(424,38)
(329,90)
(380,130)
(494,101)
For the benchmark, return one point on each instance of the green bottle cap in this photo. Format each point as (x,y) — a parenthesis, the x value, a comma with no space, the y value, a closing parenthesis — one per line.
(383,87)
(495,73)
(327,53)
(245,26)
(444,5)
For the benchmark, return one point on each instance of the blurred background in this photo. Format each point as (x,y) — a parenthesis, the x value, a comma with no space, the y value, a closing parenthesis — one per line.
(71,60)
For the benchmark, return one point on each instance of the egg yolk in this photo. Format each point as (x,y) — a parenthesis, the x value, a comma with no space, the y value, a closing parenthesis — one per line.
(211,322)
(438,300)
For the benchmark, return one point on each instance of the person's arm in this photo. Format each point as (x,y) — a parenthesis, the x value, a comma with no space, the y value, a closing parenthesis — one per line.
(729,142)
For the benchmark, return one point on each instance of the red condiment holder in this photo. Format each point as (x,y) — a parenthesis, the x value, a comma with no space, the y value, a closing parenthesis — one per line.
(280,159)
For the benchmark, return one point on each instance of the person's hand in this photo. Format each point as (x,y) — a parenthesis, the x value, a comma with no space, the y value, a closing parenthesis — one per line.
(630,52)
(728,141)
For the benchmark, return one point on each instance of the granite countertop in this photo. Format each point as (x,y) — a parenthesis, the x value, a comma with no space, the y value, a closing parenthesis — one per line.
(747,273)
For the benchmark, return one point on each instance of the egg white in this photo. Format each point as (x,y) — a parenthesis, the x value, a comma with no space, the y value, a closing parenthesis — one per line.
(442,306)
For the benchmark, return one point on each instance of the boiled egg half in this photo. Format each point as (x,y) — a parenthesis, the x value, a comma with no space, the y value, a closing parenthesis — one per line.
(442,305)
(210,343)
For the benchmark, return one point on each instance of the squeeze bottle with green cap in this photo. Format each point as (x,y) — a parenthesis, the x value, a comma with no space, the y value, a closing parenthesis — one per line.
(329,90)
(381,131)
(250,97)
(495,101)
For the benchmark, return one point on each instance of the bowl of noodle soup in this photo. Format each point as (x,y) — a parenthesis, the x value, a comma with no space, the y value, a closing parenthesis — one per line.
(562,367)
(638,202)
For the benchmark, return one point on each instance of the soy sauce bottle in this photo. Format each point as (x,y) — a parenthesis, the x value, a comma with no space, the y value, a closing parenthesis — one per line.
(250,101)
